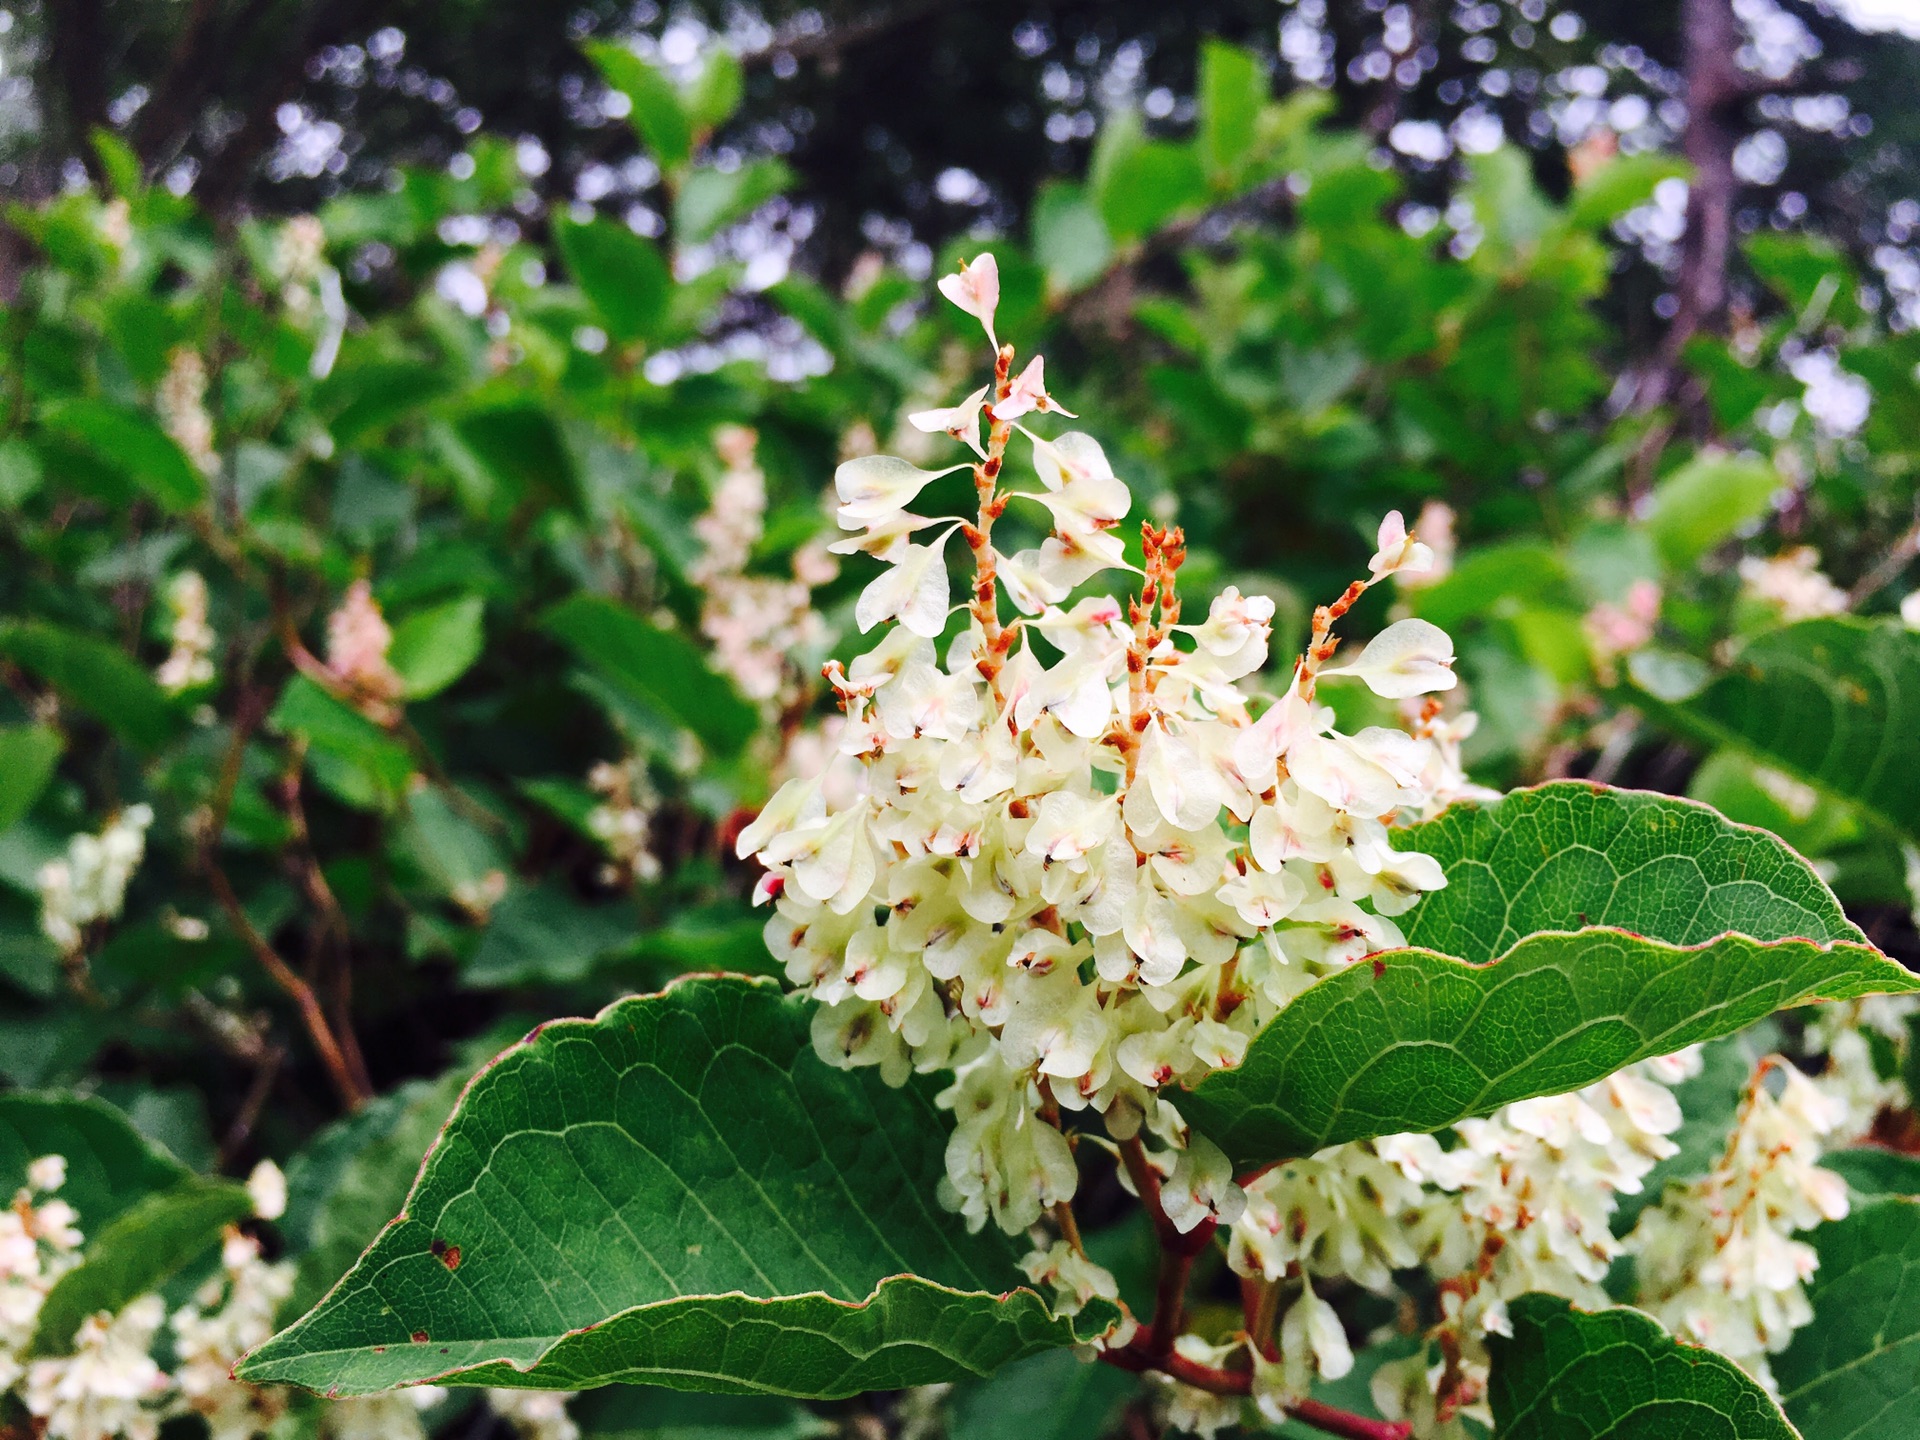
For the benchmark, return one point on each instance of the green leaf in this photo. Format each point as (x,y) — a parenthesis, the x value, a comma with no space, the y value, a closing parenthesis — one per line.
(1567,855)
(110,1165)
(716,94)
(1233,88)
(1616,1375)
(1417,1039)
(661,669)
(94,676)
(621,273)
(28,754)
(1144,185)
(1055,1396)
(649,1412)
(1069,237)
(1605,194)
(138,1252)
(679,1191)
(1828,701)
(713,199)
(433,648)
(20,472)
(659,117)
(132,444)
(1705,501)
(337,730)
(1849,1375)
(354,1178)
(1871,1170)
(522,455)
(541,934)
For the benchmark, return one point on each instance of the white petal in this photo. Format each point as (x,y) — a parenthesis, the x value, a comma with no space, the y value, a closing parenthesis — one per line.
(1409,657)
(915,589)
(873,487)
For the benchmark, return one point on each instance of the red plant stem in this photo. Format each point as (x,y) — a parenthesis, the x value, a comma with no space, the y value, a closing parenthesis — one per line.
(1346,1423)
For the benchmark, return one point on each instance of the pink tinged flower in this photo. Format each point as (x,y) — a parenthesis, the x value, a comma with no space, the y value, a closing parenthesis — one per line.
(874,487)
(1409,657)
(914,590)
(961,421)
(1029,393)
(1342,777)
(1071,826)
(1261,744)
(976,290)
(1262,899)
(1398,550)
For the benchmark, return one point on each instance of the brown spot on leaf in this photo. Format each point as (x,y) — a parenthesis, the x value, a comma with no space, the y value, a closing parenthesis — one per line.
(447,1255)
(419,1337)
(1379,968)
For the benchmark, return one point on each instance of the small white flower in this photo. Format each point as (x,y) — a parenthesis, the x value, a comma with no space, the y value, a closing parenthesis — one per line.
(1028,393)
(961,421)
(267,1189)
(1202,1187)
(976,290)
(1409,657)
(1397,550)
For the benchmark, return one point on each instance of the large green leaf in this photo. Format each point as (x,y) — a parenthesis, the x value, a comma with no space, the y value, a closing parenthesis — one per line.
(28,754)
(1571,854)
(661,669)
(681,1192)
(622,273)
(138,1252)
(433,648)
(659,114)
(93,675)
(1705,501)
(1871,1170)
(1414,1041)
(1616,1375)
(130,442)
(1851,1373)
(1625,926)
(110,1165)
(1834,702)
(355,1178)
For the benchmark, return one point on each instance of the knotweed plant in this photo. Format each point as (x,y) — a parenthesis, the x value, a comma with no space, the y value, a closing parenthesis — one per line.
(1087,903)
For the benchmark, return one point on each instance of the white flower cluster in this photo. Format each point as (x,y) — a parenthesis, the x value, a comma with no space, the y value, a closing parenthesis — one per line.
(756,624)
(536,1414)
(181,400)
(1085,858)
(190,662)
(112,1388)
(1523,1201)
(1793,583)
(38,1244)
(229,1315)
(90,882)
(1845,1033)
(623,820)
(1718,1263)
(358,639)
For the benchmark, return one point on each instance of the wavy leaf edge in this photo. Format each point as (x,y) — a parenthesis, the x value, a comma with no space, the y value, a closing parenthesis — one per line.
(501,1372)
